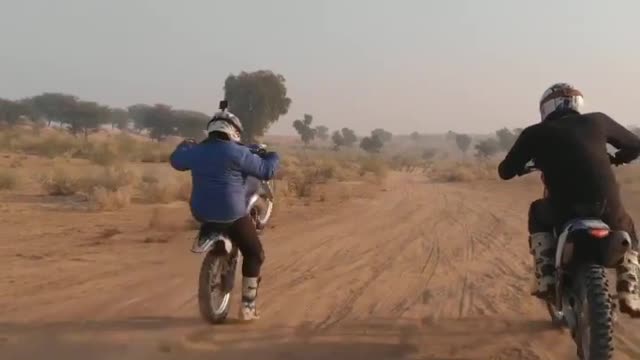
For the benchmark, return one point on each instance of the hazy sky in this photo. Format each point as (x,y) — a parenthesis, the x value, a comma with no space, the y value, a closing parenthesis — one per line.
(406,65)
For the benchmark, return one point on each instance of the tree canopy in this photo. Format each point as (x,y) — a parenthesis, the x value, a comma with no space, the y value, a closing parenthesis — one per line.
(322,132)
(383,135)
(344,138)
(487,148)
(305,130)
(371,144)
(258,98)
(463,141)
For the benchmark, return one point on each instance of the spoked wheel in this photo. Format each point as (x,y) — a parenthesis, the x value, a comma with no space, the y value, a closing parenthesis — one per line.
(214,287)
(594,327)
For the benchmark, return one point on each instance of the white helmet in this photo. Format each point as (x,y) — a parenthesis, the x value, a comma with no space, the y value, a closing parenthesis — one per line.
(227,123)
(560,96)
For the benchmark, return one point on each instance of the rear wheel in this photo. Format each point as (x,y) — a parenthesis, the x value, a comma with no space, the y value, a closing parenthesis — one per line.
(594,330)
(214,294)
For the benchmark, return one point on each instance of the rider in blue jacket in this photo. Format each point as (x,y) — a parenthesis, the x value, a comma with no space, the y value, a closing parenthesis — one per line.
(219,168)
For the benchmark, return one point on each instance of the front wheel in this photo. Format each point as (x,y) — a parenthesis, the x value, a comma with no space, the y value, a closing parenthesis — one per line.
(214,290)
(594,330)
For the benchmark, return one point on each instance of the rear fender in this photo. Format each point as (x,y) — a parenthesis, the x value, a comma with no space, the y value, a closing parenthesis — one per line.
(565,249)
(577,239)
(217,242)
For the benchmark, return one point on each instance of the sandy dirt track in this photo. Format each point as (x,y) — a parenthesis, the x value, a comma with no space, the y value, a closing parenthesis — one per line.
(421,271)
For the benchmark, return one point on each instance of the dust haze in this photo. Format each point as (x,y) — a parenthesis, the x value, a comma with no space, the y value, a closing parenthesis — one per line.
(392,236)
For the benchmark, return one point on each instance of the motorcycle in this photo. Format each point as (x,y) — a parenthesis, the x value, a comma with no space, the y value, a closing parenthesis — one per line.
(582,302)
(218,269)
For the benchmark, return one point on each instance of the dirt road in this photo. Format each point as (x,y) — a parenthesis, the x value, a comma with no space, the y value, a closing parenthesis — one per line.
(423,271)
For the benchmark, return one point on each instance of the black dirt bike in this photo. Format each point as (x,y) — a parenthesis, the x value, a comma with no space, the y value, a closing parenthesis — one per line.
(581,300)
(218,269)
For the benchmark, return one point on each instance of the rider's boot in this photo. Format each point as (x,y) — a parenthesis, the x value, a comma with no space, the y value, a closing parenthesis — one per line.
(543,248)
(248,309)
(627,284)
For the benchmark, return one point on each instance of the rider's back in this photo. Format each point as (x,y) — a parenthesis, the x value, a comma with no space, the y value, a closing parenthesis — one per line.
(571,151)
(219,169)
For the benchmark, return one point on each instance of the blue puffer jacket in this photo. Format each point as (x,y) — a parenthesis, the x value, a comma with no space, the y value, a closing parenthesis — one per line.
(219,170)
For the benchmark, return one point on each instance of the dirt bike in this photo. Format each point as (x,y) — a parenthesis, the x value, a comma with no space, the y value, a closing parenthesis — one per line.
(581,300)
(218,269)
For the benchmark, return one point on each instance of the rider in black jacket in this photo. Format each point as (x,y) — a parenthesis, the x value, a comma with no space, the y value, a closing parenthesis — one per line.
(570,149)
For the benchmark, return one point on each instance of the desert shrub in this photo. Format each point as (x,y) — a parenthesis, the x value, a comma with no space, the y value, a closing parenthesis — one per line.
(60,182)
(50,145)
(104,154)
(63,181)
(302,183)
(8,180)
(374,165)
(109,200)
(462,171)
(111,178)
(154,152)
(152,190)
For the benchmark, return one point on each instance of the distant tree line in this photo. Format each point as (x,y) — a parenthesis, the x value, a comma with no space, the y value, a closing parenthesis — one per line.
(258,98)
(343,138)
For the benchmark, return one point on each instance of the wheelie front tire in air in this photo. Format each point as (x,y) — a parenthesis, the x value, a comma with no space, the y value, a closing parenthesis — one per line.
(213,294)
(594,333)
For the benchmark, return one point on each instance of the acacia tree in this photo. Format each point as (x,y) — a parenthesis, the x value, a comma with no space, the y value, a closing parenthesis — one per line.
(344,138)
(322,132)
(53,106)
(86,117)
(12,111)
(304,129)
(463,141)
(415,136)
(349,137)
(258,98)
(190,124)
(487,148)
(506,138)
(160,122)
(119,118)
(371,144)
(383,135)
(138,114)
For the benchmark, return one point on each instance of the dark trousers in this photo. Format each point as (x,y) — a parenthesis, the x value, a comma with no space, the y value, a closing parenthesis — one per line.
(243,234)
(544,217)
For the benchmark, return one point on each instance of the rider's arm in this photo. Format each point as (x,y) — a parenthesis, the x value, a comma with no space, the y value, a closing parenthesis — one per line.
(518,157)
(262,168)
(182,157)
(627,143)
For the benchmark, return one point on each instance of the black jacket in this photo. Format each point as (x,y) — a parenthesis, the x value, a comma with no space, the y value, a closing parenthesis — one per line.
(571,151)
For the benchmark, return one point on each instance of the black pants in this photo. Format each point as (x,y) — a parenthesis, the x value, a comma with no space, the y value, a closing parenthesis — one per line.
(543,217)
(243,234)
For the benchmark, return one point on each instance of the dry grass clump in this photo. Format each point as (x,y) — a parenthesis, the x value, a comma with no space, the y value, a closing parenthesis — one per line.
(108,200)
(305,172)
(373,165)
(8,179)
(108,188)
(60,182)
(462,171)
(101,150)
(49,144)
(154,190)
